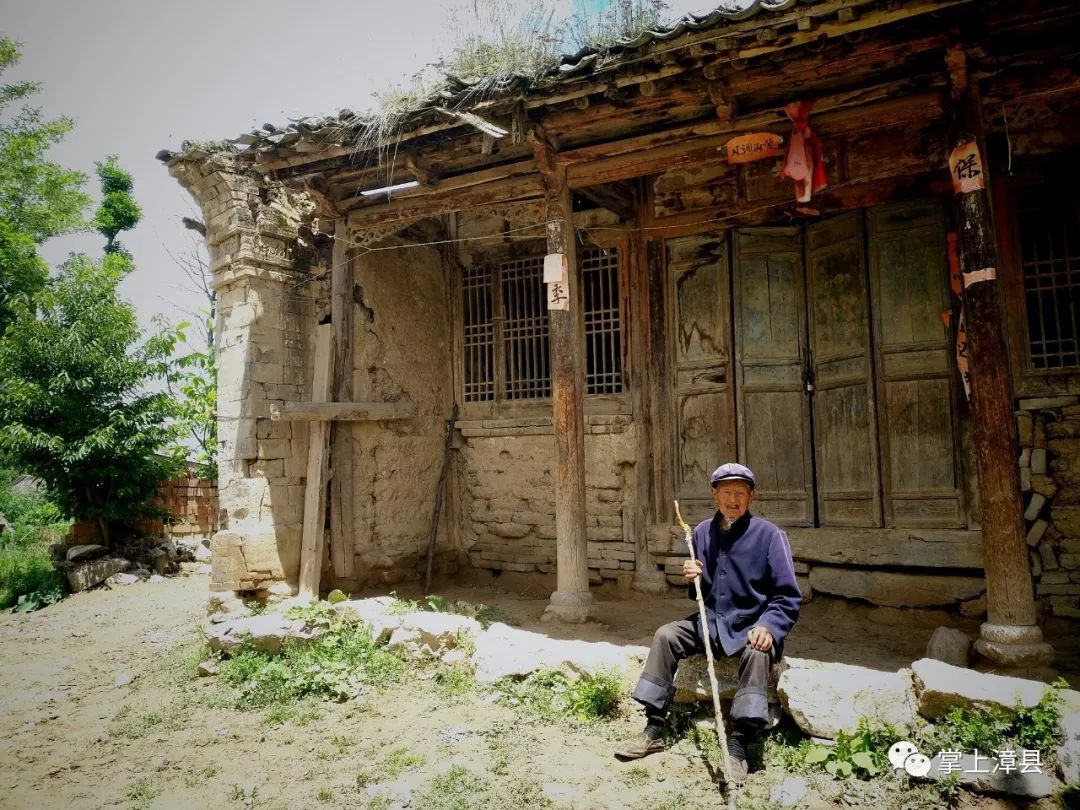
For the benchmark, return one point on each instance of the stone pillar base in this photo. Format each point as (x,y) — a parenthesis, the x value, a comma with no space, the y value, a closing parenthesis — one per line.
(572,607)
(1014,647)
(653,582)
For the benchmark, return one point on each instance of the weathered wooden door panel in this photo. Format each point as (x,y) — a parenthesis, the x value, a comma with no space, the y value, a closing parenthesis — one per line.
(915,385)
(773,415)
(698,267)
(845,422)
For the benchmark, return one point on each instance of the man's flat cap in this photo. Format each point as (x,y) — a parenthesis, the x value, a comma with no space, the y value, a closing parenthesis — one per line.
(732,471)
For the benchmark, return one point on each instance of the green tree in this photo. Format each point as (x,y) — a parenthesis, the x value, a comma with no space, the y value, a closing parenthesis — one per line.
(39,199)
(118,210)
(75,374)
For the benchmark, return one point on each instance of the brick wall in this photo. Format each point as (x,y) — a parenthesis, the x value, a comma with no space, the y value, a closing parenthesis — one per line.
(192,502)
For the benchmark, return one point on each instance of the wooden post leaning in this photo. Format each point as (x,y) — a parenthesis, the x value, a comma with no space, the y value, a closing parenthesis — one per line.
(720,733)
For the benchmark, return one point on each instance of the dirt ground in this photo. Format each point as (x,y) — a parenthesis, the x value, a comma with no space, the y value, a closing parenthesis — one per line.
(101,708)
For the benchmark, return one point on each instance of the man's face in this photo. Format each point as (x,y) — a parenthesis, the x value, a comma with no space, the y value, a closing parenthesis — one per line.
(733,498)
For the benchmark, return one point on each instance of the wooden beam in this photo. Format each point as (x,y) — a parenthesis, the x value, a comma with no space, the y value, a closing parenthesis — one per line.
(342,411)
(342,309)
(699,144)
(311,546)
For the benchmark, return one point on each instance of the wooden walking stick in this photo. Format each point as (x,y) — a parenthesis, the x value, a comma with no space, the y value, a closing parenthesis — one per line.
(720,734)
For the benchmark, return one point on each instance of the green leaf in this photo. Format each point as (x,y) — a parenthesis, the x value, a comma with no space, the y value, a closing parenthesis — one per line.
(335,596)
(832,766)
(817,754)
(843,768)
(864,760)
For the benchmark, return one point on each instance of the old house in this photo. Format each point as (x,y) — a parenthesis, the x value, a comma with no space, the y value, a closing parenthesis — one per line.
(601,284)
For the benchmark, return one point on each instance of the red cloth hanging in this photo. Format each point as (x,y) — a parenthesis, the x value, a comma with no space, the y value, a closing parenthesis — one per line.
(804,162)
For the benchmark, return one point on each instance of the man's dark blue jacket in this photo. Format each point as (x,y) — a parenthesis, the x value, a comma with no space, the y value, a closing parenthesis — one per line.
(748,580)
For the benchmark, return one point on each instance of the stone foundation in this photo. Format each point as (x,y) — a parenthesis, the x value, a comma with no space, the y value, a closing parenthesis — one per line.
(1049,430)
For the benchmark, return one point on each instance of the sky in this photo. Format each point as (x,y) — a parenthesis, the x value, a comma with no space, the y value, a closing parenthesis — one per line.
(137,76)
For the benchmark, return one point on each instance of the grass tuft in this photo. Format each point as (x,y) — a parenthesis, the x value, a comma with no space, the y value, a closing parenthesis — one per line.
(551,696)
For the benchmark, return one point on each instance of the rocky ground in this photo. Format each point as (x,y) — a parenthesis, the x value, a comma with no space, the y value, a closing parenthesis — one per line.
(102,708)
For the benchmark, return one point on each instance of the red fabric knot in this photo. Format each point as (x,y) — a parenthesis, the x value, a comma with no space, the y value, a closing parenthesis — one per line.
(804,161)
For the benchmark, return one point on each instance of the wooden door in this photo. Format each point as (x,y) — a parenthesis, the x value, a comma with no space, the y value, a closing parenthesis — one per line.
(908,269)
(698,267)
(845,422)
(771,353)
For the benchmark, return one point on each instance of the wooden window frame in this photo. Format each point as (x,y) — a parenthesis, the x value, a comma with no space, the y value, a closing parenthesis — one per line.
(539,407)
(1028,381)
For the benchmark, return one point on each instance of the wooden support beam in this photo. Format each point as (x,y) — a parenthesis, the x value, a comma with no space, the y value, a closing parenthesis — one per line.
(572,601)
(311,544)
(342,308)
(1010,636)
(342,411)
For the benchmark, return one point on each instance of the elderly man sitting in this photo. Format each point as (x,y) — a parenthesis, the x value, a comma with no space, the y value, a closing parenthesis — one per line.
(751,600)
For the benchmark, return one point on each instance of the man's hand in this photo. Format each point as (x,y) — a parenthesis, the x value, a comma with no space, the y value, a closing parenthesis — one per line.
(759,639)
(691,569)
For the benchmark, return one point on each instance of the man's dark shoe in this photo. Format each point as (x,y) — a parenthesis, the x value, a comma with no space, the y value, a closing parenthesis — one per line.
(638,746)
(739,769)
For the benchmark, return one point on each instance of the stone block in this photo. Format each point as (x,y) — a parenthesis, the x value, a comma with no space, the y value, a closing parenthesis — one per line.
(1025,458)
(826,698)
(503,651)
(1034,506)
(82,553)
(88,574)
(1024,427)
(1068,753)
(1025,479)
(1066,519)
(1034,562)
(1069,561)
(1065,606)
(1038,461)
(692,679)
(1036,532)
(990,775)
(275,448)
(1044,403)
(1070,589)
(266,633)
(1054,577)
(951,646)
(941,687)
(895,589)
(805,588)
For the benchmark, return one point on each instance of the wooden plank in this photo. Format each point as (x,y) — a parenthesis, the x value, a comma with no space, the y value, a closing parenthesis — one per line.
(311,547)
(920,462)
(699,271)
(770,338)
(342,309)
(845,414)
(342,411)
(919,548)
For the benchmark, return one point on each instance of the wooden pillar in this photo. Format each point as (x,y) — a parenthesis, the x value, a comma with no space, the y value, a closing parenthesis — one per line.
(342,309)
(1010,636)
(571,602)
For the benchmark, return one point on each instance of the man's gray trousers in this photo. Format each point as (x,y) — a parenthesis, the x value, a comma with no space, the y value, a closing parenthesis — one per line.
(678,640)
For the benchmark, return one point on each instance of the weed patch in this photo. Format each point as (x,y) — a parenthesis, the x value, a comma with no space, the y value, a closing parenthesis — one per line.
(462,789)
(992,729)
(336,666)
(551,696)
(396,763)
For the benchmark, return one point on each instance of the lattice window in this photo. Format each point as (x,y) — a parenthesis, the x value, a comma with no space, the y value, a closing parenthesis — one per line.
(506,346)
(603,327)
(479,327)
(525,329)
(1050,247)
